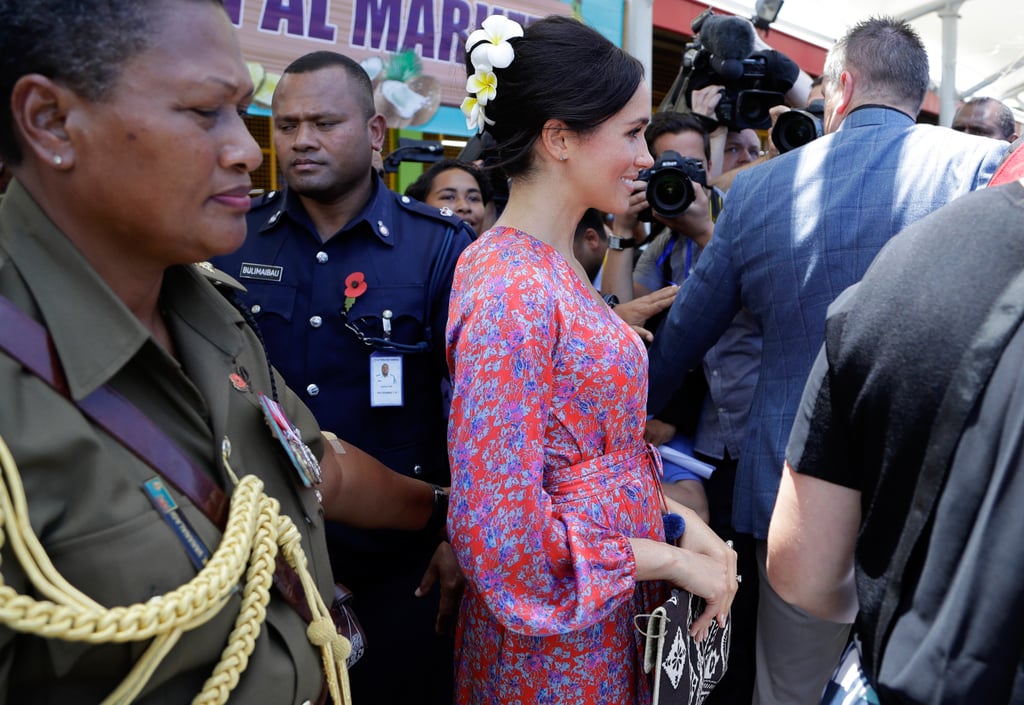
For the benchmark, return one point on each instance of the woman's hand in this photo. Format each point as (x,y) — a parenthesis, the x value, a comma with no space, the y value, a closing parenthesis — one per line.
(706,567)
(715,582)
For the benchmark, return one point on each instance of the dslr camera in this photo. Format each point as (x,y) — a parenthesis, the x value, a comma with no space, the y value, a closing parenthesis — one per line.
(669,187)
(795,128)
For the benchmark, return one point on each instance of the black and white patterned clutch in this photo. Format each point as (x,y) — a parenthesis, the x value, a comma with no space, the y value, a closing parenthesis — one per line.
(683,672)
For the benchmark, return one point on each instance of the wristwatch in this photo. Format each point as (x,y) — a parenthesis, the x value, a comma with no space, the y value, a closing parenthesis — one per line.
(439,512)
(620,243)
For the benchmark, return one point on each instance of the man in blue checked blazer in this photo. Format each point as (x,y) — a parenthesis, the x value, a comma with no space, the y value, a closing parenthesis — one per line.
(795,232)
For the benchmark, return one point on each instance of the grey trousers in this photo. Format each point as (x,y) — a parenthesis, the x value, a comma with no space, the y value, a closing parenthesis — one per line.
(796,652)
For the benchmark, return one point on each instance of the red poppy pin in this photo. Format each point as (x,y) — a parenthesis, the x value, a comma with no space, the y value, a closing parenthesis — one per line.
(238,382)
(355,286)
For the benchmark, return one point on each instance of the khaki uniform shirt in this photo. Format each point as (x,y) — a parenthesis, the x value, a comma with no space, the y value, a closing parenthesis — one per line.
(83,487)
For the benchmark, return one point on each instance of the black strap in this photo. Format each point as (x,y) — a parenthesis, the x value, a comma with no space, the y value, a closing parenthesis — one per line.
(965,388)
(28,342)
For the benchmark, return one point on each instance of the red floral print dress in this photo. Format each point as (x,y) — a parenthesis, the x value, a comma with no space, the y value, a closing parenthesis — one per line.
(550,478)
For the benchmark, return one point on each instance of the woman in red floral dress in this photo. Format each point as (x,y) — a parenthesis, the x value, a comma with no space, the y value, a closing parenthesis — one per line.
(556,508)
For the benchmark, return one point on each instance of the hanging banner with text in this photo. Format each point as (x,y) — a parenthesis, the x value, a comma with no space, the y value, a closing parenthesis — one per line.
(412,49)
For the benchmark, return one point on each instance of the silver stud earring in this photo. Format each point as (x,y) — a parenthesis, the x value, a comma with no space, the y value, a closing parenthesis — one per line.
(57,159)
(563,157)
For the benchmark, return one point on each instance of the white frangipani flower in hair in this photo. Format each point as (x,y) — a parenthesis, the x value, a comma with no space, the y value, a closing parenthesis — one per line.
(489,47)
(484,84)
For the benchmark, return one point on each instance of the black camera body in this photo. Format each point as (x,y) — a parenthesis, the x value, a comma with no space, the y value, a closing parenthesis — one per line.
(795,128)
(746,99)
(669,188)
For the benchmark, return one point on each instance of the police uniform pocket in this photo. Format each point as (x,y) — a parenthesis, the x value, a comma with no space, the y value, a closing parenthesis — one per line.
(405,307)
(266,300)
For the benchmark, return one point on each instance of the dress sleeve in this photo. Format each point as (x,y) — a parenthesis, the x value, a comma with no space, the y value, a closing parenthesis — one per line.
(540,570)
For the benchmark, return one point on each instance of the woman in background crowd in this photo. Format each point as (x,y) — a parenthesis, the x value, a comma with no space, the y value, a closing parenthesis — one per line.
(456,185)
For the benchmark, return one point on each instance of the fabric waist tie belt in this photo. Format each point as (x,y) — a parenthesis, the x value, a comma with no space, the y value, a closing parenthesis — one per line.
(638,462)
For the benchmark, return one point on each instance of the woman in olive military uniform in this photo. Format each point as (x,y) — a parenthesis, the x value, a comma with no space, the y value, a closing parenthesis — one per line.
(120,121)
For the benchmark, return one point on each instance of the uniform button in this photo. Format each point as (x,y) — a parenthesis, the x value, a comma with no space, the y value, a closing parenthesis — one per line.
(312,390)
(721,409)
(256,308)
(316,321)
(307,703)
(271,194)
(274,218)
(405,199)
(322,257)
(417,470)
(383,228)
(714,373)
(446,211)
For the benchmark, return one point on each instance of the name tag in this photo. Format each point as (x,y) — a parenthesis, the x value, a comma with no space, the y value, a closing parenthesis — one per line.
(262,272)
(164,503)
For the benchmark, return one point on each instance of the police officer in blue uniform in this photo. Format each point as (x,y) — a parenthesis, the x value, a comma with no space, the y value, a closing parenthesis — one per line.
(349,284)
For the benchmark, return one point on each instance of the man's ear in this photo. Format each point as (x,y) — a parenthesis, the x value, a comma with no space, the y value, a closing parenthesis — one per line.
(847,84)
(378,127)
(591,239)
(40,108)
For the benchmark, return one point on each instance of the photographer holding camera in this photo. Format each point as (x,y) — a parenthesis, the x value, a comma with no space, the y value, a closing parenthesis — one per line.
(736,85)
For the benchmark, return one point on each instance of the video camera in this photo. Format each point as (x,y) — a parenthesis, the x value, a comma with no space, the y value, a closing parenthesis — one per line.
(722,53)
(669,191)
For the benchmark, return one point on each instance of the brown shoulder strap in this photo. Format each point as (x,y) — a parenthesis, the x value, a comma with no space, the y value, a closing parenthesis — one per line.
(28,342)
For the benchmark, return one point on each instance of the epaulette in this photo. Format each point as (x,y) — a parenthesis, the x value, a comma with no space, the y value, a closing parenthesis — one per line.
(262,199)
(219,279)
(273,201)
(443,215)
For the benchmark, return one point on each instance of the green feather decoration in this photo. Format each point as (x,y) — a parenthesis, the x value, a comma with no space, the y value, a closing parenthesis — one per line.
(403,66)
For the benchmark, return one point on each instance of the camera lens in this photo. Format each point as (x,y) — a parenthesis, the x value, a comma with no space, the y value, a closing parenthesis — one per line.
(753,113)
(799,131)
(670,193)
(795,128)
(752,109)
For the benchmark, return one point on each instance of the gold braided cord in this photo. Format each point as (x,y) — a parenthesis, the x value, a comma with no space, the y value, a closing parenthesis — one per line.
(255,531)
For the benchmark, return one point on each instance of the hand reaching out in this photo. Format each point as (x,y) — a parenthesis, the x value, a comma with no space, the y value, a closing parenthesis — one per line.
(637,311)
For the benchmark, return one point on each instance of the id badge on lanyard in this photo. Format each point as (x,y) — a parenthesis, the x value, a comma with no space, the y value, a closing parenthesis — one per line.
(386,379)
